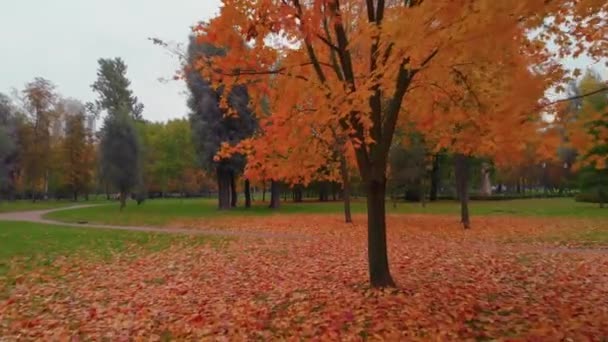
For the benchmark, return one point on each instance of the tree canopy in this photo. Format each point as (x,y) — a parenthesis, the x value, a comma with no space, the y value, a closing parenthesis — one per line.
(368,67)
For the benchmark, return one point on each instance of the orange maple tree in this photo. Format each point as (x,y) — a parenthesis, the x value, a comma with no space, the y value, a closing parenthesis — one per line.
(365,66)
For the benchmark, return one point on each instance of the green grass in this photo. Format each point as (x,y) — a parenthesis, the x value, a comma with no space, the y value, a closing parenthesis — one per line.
(28,205)
(9,206)
(161,212)
(38,244)
(594,237)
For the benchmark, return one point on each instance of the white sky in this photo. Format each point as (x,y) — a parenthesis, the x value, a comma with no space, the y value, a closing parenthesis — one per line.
(61,40)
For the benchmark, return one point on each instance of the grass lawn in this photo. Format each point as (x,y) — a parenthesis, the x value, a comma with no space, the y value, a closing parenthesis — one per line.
(25,246)
(161,212)
(10,206)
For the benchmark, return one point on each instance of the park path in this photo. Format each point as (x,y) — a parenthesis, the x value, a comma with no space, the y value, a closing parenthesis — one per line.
(37,216)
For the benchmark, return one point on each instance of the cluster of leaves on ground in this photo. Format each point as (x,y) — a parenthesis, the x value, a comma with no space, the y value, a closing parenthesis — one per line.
(302,277)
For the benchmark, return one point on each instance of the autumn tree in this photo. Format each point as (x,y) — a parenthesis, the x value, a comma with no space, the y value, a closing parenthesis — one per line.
(113,89)
(77,148)
(364,59)
(39,99)
(120,153)
(317,151)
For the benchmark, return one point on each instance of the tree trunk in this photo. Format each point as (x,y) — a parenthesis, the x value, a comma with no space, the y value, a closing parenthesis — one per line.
(123,199)
(75,196)
(323,192)
(275,195)
(486,184)
(264,191)
(247,194)
(107,188)
(345,188)
(297,194)
(424,186)
(334,192)
(435,177)
(223,187)
(234,195)
(379,272)
(461,168)
(518,185)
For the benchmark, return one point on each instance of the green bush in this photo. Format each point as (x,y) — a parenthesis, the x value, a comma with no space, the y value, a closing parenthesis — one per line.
(592,197)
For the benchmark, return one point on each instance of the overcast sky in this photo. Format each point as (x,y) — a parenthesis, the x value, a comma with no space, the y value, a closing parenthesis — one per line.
(61,40)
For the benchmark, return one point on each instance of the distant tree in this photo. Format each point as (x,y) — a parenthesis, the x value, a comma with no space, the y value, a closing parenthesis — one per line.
(7,141)
(213,125)
(120,153)
(435,176)
(589,135)
(169,154)
(77,151)
(39,99)
(113,89)
(408,168)
(150,134)
(6,109)
(7,147)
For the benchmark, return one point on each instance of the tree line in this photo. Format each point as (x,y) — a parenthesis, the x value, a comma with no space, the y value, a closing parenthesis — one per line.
(49,145)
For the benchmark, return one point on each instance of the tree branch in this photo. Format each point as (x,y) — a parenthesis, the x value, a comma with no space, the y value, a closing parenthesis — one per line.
(429,58)
(404,79)
(577,97)
(332,53)
(463,78)
(370,11)
(257,72)
(310,49)
(327,42)
(280,71)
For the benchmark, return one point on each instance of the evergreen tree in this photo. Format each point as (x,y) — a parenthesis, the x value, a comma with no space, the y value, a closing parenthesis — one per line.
(120,153)
(211,126)
(113,89)
(7,141)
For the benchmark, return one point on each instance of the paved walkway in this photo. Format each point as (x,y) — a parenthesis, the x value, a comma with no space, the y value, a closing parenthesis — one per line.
(37,216)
